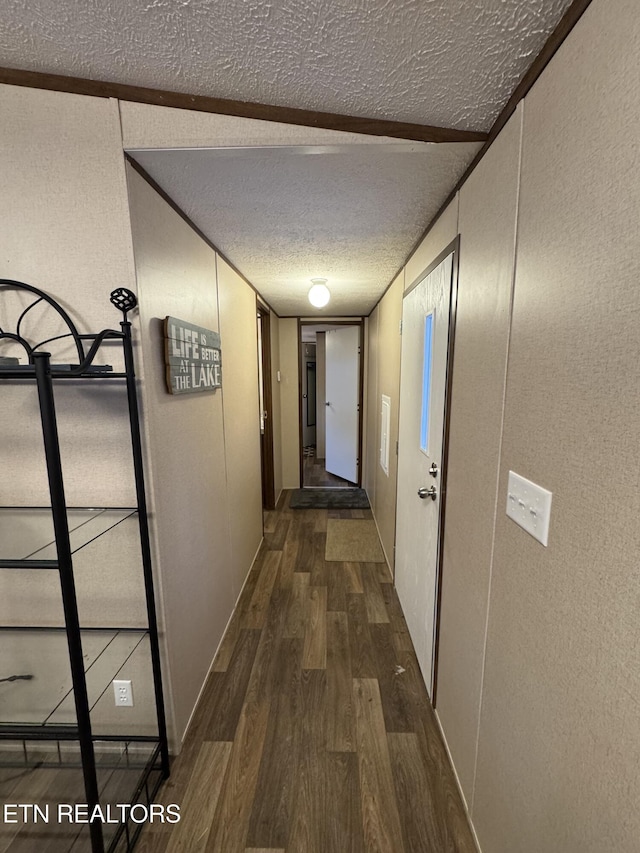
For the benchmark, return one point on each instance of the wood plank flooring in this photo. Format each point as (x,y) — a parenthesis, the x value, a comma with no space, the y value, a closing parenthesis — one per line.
(315,474)
(309,738)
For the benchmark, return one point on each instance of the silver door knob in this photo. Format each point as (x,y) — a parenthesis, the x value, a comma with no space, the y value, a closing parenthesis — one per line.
(430,492)
(327,404)
(433,470)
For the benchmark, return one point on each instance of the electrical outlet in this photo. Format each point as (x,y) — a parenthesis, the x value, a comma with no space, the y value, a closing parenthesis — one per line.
(123,693)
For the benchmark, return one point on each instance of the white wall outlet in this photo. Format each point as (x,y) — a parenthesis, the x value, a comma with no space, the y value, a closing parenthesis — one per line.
(529,506)
(123,693)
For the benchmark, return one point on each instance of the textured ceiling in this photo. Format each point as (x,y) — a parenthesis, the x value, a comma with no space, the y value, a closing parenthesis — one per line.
(452,63)
(348,212)
(283,215)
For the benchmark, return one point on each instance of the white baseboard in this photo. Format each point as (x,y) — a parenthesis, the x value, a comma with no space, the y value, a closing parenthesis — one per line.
(386,556)
(457,778)
(215,655)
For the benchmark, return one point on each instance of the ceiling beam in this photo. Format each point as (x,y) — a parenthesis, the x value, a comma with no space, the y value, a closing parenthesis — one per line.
(242,109)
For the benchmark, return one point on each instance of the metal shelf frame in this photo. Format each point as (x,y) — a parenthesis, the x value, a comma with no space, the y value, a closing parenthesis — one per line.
(45,374)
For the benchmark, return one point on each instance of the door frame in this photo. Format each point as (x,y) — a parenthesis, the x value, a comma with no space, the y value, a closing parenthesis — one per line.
(452,249)
(355,321)
(266,438)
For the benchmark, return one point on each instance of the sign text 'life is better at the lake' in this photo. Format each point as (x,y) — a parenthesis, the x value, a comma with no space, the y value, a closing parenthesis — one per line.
(193,357)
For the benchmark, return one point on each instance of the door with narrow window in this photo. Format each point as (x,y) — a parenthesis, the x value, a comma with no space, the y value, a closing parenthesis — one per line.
(424,360)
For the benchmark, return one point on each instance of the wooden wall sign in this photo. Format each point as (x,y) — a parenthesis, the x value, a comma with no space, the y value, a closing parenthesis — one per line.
(193,357)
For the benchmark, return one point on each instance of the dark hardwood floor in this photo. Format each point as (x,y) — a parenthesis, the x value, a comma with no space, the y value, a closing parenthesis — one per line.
(314,733)
(315,474)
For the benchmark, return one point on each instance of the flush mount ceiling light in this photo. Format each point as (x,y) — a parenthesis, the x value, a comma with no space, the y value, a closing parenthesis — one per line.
(319,294)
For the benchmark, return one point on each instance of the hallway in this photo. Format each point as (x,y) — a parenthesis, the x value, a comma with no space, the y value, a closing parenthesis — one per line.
(314,733)
(315,475)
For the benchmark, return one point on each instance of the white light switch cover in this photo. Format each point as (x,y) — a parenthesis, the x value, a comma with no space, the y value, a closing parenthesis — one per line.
(529,506)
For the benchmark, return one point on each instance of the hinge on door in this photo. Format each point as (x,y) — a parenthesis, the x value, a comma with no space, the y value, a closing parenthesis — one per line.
(397,444)
(400,326)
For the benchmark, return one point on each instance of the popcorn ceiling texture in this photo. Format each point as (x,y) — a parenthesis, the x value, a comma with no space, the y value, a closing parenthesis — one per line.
(349,213)
(450,63)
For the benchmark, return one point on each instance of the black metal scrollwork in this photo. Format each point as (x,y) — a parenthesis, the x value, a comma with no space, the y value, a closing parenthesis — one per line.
(123,299)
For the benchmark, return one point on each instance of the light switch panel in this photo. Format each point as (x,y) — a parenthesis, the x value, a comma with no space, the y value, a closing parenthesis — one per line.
(529,506)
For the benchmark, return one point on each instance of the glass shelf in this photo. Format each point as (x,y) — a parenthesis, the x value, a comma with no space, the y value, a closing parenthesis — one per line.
(46,698)
(26,533)
(107,570)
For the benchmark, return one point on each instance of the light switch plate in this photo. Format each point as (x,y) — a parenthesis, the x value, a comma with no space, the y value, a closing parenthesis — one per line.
(529,505)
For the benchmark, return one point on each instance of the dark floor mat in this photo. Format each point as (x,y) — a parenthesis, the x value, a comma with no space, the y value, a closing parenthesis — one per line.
(329,499)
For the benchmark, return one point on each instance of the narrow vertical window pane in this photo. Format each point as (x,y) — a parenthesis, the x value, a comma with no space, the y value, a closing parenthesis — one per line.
(426,382)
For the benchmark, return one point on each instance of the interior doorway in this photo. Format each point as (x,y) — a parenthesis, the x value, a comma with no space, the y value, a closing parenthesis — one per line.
(265,407)
(330,370)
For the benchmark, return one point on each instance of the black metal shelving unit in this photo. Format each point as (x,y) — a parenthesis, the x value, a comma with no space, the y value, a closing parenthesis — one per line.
(39,370)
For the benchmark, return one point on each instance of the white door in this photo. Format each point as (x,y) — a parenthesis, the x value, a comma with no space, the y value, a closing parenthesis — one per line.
(341,402)
(425,346)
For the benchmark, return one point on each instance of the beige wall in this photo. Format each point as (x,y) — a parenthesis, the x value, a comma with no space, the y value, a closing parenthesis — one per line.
(65,230)
(557,693)
(384,378)
(543,723)
(70,233)
(147,126)
(559,747)
(290,426)
(186,445)
(488,206)
(241,409)
(371,415)
(438,238)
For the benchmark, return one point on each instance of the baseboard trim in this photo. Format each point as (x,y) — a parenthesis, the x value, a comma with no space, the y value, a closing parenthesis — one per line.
(457,778)
(386,556)
(215,655)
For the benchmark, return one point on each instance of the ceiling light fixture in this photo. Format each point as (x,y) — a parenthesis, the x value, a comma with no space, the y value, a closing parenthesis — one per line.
(319,294)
